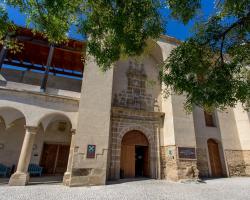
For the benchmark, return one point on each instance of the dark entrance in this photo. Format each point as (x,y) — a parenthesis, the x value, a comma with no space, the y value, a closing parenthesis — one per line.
(141,161)
(55,158)
(134,155)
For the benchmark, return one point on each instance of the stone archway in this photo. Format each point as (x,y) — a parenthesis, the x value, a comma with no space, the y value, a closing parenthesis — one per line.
(114,171)
(12,131)
(53,142)
(31,151)
(214,158)
(134,157)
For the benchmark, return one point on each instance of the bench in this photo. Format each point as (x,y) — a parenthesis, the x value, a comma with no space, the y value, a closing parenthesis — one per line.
(35,170)
(4,170)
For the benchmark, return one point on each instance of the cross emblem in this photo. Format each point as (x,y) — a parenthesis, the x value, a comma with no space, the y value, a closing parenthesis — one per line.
(91,148)
(91,151)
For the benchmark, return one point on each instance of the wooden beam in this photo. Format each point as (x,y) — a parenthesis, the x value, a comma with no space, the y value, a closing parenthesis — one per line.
(45,44)
(46,74)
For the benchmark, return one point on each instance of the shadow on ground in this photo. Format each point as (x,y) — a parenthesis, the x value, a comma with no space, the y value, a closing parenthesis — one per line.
(44,180)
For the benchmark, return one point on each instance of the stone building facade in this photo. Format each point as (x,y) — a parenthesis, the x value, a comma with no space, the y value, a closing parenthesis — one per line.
(116,125)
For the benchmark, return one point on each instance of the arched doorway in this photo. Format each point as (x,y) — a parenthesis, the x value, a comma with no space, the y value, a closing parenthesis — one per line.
(55,146)
(214,158)
(134,155)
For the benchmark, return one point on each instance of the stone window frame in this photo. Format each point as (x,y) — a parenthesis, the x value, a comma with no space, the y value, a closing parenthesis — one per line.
(209,119)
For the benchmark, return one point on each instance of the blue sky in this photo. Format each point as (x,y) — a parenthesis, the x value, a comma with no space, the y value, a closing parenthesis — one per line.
(174,28)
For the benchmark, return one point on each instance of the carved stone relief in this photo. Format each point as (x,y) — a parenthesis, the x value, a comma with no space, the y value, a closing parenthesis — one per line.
(135,96)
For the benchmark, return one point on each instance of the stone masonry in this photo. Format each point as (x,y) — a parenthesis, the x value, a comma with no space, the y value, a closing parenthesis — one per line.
(125,120)
(173,168)
(238,162)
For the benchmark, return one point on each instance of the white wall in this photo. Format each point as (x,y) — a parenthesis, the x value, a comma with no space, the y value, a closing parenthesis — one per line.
(151,68)
(12,139)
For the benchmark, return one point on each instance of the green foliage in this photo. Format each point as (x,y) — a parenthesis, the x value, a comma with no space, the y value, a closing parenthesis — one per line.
(3,22)
(195,71)
(52,18)
(183,10)
(212,67)
(7,30)
(116,28)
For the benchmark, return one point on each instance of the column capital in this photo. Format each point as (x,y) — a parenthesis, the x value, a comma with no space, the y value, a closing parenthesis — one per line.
(31,129)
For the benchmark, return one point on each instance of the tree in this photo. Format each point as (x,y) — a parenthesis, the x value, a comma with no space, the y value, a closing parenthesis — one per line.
(114,27)
(210,68)
(7,28)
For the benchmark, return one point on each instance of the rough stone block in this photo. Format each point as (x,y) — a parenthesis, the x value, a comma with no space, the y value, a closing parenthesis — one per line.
(19,179)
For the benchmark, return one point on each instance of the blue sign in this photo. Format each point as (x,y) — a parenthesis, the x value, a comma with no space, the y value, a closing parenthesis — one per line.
(91,151)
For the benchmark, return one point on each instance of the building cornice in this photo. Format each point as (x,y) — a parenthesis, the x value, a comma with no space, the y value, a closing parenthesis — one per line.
(120,112)
(40,94)
(169,39)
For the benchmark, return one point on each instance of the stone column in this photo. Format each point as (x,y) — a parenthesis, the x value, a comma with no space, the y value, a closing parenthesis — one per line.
(21,176)
(67,174)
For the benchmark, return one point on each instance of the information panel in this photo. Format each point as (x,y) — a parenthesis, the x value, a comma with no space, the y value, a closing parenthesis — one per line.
(186,153)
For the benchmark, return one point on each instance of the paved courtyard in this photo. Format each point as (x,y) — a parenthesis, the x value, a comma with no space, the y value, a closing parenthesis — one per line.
(231,188)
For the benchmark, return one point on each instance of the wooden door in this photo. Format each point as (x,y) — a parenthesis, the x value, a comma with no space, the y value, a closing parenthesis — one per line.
(214,157)
(128,153)
(62,159)
(128,161)
(54,158)
(48,158)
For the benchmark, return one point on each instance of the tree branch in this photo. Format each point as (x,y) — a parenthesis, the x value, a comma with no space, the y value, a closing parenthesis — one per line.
(221,50)
(234,25)
(223,35)
(228,29)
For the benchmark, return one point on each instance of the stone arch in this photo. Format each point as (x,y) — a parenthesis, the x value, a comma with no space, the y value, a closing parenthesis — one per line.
(10,115)
(12,131)
(141,129)
(116,150)
(214,139)
(54,134)
(155,51)
(49,117)
(2,122)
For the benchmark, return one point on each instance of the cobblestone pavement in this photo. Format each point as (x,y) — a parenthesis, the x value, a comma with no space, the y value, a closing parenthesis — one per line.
(221,189)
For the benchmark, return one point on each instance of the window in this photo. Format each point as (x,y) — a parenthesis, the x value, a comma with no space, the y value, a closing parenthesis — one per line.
(209,119)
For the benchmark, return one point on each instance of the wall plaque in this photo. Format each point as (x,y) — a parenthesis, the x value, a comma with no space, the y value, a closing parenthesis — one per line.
(186,152)
(171,151)
(91,151)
